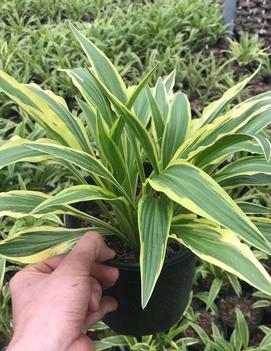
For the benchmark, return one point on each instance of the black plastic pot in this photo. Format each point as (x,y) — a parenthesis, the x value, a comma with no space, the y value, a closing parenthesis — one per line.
(166,305)
(168,301)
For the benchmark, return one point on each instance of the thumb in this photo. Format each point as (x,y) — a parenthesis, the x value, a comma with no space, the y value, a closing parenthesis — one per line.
(89,249)
(82,344)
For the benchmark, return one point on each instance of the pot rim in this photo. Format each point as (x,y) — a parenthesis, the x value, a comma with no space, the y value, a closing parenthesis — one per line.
(133,266)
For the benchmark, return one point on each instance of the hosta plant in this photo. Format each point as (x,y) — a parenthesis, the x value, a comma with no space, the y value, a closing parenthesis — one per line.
(239,339)
(120,130)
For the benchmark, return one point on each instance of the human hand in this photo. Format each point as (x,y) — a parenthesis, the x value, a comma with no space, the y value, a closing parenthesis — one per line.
(55,302)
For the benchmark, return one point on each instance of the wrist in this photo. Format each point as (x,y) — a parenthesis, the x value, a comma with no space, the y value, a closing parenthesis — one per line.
(21,344)
(34,341)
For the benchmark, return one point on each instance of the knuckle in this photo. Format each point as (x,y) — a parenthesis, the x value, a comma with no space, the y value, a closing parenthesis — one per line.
(96,238)
(14,281)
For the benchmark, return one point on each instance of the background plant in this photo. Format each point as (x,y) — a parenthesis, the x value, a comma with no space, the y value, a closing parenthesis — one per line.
(249,50)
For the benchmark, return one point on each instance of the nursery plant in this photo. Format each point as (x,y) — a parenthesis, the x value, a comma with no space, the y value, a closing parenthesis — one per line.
(157,176)
(239,338)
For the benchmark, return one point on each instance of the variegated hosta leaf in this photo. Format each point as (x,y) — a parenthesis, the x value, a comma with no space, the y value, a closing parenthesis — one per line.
(85,83)
(141,107)
(154,218)
(222,248)
(75,194)
(37,244)
(110,342)
(25,149)
(137,90)
(229,123)
(23,203)
(89,116)
(161,98)
(245,171)
(137,100)
(240,336)
(15,150)
(169,82)
(129,147)
(213,110)
(49,110)
(158,121)
(104,69)
(264,143)
(195,190)
(2,271)
(20,203)
(264,225)
(176,128)
(135,125)
(251,208)
(259,121)
(111,152)
(225,146)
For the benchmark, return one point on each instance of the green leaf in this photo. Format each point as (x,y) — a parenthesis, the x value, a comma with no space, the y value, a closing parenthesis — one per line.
(195,190)
(234,281)
(255,125)
(109,342)
(19,203)
(23,150)
(23,203)
(245,171)
(139,100)
(108,148)
(176,128)
(75,194)
(104,69)
(58,110)
(161,99)
(264,225)
(229,123)
(135,125)
(242,328)
(265,144)
(140,88)
(38,243)
(222,248)
(142,107)
(2,271)
(251,208)
(49,110)
(240,335)
(169,82)
(154,218)
(220,344)
(87,86)
(60,202)
(266,340)
(223,147)
(214,291)
(213,110)
(89,116)
(158,122)
(201,333)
